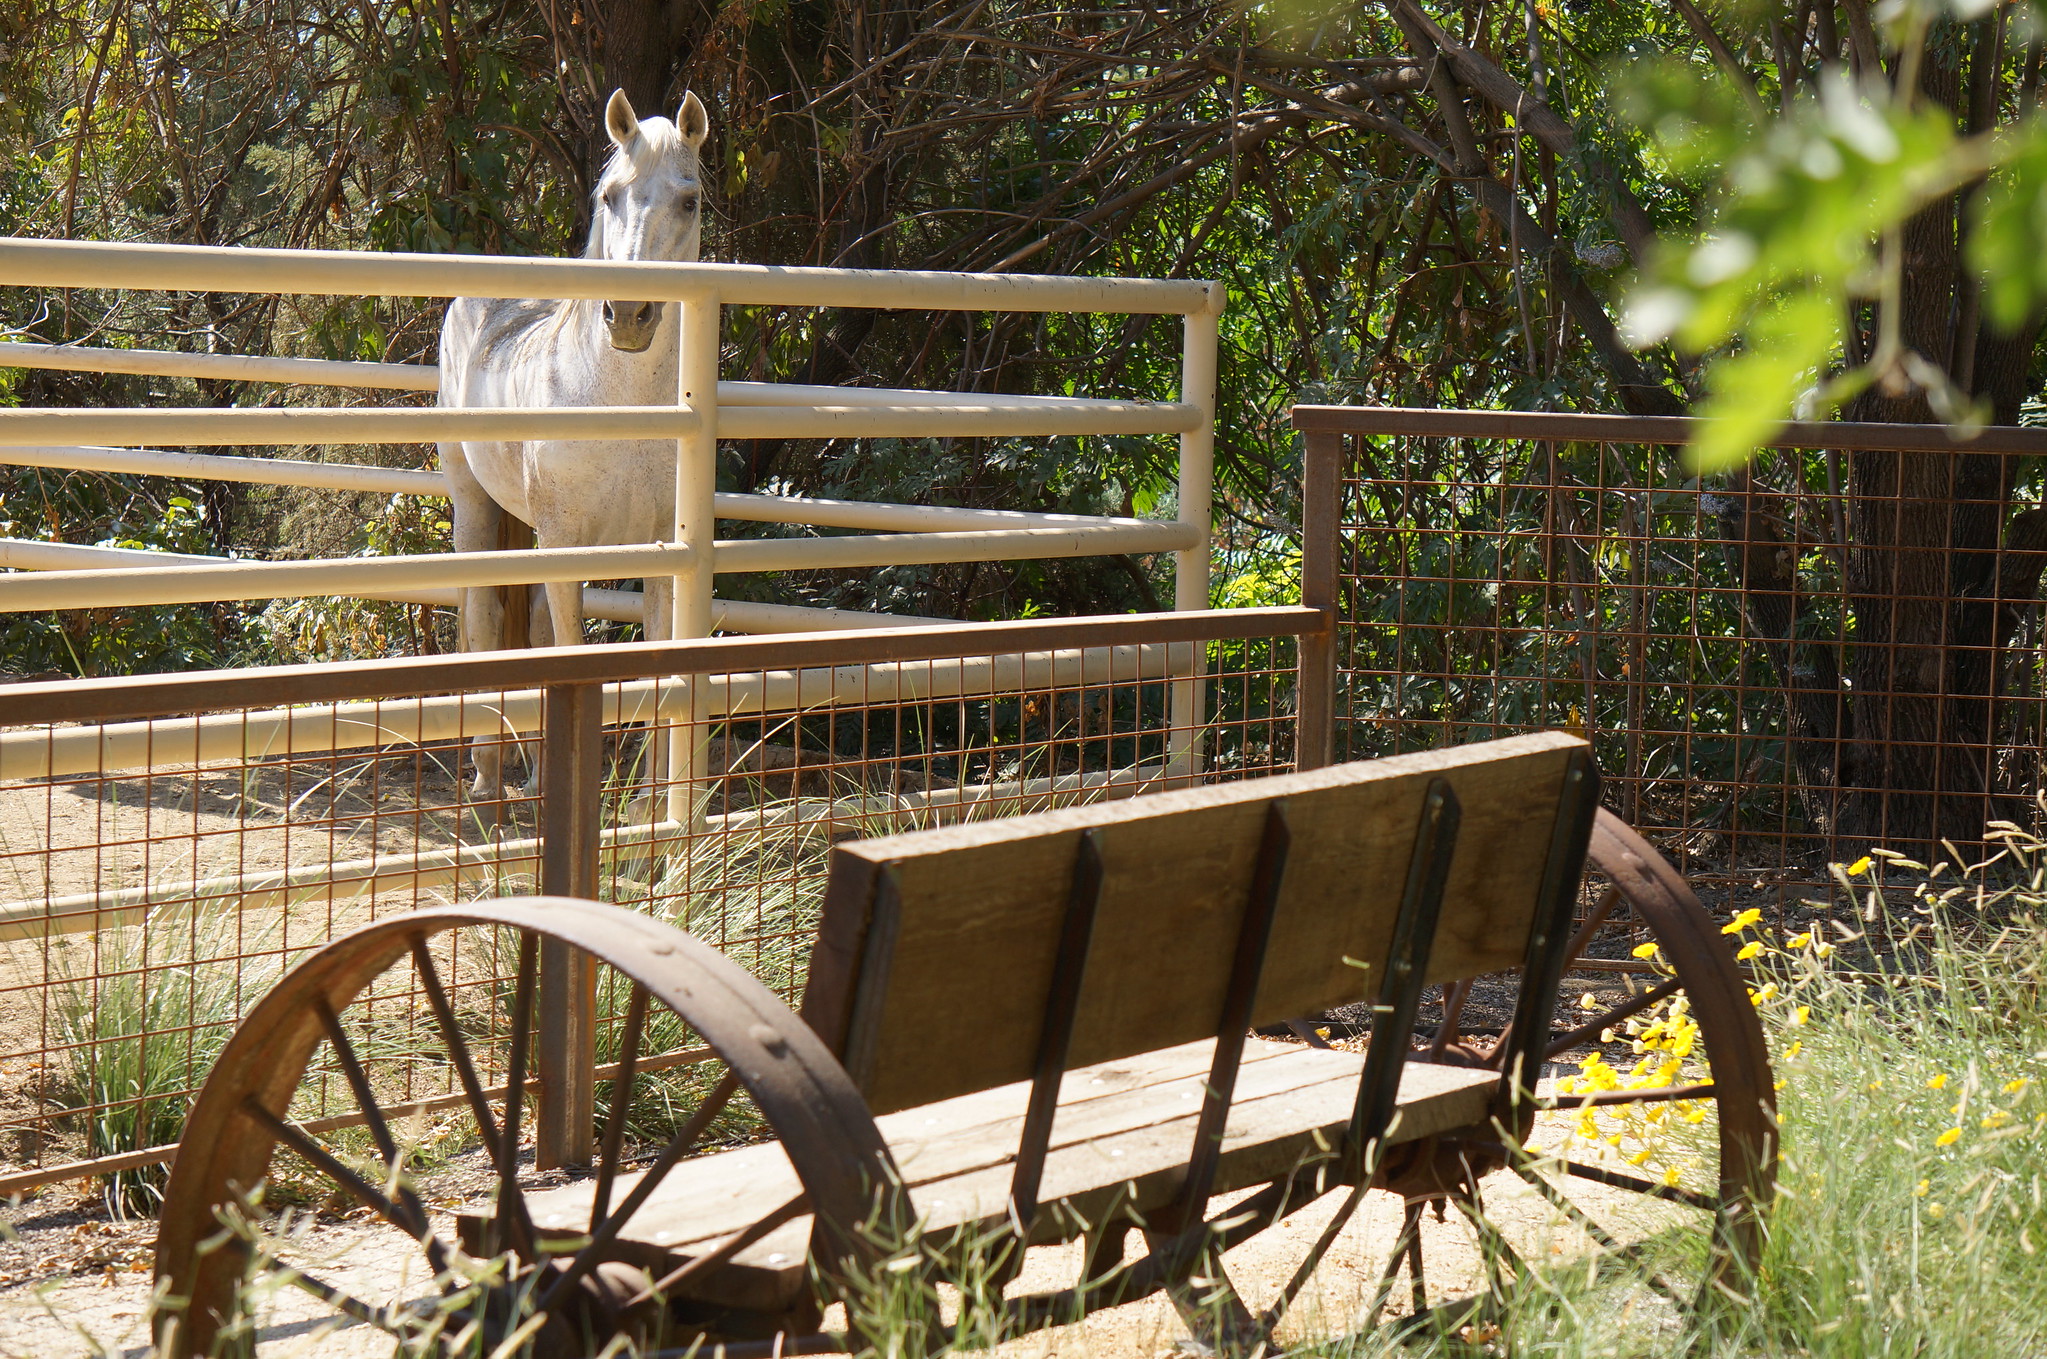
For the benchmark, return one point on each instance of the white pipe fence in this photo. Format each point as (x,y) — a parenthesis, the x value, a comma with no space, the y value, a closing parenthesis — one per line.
(705,409)
(620,606)
(154,268)
(125,585)
(367,576)
(762,509)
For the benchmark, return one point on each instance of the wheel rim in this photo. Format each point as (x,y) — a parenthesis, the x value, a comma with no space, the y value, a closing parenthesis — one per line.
(801,1095)
(1643,890)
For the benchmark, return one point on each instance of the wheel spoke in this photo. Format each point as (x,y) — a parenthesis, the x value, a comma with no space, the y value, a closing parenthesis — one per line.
(380,1317)
(515,1087)
(472,1087)
(621,1101)
(1608,899)
(380,1131)
(1418,1284)
(1602,1099)
(1410,1232)
(1272,1314)
(607,1231)
(383,1318)
(1453,1010)
(458,1048)
(1493,1246)
(1563,1204)
(1599,1175)
(335,1169)
(1619,1014)
(724,1250)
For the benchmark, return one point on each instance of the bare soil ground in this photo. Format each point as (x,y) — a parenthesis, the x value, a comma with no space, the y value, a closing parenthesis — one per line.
(75,1281)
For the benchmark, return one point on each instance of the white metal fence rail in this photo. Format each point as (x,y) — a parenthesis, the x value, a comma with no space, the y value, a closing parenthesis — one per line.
(705,410)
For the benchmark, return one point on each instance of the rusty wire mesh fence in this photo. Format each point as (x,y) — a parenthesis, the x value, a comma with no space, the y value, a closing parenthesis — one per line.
(1834,648)
(169,847)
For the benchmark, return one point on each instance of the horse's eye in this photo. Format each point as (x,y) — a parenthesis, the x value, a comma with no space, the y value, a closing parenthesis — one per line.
(689,202)
(611,198)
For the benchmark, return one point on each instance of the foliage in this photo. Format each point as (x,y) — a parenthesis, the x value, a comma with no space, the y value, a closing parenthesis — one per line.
(123,512)
(1909,1209)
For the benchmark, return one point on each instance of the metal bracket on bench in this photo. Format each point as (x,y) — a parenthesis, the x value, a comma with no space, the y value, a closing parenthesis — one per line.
(1550,932)
(1407,965)
(1069,964)
(1234,1027)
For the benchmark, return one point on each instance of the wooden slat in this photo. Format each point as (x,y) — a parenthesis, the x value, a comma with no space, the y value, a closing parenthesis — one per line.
(1122,1136)
(977,908)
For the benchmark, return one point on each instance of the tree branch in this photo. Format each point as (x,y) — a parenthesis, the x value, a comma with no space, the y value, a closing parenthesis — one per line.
(1531,114)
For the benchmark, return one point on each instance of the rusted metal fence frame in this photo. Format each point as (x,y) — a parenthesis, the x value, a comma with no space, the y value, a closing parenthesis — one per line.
(1328,434)
(571,681)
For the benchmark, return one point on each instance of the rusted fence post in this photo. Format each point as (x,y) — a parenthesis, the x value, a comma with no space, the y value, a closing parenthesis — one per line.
(571,810)
(1321,495)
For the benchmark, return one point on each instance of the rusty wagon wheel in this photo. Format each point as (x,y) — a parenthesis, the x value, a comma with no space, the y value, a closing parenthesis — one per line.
(322,1093)
(1713,1077)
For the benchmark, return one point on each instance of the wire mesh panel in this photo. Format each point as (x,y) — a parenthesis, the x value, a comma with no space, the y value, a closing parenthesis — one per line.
(165,857)
(1834,647)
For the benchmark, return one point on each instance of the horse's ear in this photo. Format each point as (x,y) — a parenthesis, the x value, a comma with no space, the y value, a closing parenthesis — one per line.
(693,121)
(620,120)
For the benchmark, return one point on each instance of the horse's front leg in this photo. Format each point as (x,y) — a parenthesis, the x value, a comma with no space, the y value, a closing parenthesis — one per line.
(670,722)
(479,527)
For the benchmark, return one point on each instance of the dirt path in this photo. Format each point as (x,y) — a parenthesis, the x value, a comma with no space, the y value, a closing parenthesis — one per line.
(74,1285)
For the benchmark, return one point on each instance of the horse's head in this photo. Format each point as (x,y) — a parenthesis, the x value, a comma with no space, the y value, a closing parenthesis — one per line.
(649,204)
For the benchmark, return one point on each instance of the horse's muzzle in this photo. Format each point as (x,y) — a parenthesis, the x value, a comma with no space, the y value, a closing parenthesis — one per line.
(632,324)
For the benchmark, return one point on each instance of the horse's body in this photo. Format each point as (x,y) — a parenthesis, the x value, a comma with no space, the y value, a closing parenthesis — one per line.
(506,352)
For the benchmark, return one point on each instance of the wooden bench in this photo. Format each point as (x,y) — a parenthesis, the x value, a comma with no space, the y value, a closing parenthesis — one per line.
(1029,1030)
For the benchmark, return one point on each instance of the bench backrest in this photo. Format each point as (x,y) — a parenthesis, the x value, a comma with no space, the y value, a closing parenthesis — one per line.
(937,948)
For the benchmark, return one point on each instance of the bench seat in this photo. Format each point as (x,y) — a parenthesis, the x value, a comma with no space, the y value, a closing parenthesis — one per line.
(1122,1136)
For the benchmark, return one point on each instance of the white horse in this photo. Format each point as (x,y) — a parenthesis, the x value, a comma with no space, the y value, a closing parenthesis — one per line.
(517,352)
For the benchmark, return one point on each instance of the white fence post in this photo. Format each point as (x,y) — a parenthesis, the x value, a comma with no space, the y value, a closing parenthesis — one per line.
(696,487)
(1197,493)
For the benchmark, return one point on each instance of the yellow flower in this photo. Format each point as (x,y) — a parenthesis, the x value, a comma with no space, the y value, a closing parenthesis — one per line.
(1935,1210)
(1670,1177)
(1793,1050)
(1948,1138)
(1823,950)
(1799,940)
(1748,951)
(1802,1014)
(1923,1188)
(1938,1081)
(1859,867)
(1648,950)
(1997,1119)
(1742,921)
(2016,1087)
(1588,1001)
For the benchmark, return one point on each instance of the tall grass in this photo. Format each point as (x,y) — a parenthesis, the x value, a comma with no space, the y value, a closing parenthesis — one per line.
(141,1017)
(1912,1209)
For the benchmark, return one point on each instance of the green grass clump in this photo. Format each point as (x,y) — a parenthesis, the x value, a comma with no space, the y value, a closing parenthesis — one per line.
(139,1037)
